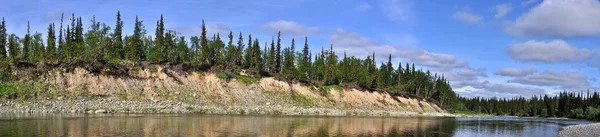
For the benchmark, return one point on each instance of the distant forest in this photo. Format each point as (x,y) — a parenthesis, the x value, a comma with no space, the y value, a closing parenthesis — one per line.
(101,48)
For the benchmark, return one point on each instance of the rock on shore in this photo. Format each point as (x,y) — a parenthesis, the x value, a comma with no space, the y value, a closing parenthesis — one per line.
(587,130)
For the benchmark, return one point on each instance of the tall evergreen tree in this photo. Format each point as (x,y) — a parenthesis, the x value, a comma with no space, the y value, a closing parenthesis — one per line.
(240,49)
(278,54)
(13,47)
(51,43)
(3,36)
(271,59)
(204,53)
(117,46)
(27,45)
(61,51)
(231,51)
(137,45)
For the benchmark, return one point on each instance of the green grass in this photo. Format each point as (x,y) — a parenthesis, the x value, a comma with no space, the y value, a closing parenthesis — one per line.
(324,90)
(22,90)
(303,100)
(246,79)
(222,76)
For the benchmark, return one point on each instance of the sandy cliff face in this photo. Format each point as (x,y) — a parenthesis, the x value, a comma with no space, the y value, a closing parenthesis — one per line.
(205,88)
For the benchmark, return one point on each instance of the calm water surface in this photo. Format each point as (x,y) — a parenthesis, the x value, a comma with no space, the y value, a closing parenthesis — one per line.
(78,125)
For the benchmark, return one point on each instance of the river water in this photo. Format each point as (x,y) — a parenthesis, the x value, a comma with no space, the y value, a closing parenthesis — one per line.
(78,125)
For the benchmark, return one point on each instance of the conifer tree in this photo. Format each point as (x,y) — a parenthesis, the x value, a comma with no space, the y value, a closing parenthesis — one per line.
(27,45)
(231,51)
(204,52)
(271,59)
(117,45)
(38,47)
(61,51)
(278,54)
(240,49)
(3,36)
(13,47)
(137,46)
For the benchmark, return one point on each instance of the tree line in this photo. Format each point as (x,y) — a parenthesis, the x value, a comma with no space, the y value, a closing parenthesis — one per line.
(101,43)
(565,104)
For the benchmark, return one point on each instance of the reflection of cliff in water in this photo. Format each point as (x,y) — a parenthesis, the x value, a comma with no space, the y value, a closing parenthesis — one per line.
(222,125)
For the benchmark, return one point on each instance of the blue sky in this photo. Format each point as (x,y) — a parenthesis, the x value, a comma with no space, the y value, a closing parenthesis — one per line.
(485,48)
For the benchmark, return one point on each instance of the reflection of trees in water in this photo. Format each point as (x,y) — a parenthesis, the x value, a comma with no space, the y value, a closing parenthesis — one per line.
(226,125)
(432,127)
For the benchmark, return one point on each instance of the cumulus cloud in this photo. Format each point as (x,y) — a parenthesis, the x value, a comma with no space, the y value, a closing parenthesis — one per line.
(515,72)
(467,17)
(548,52)
(288,27)
(358,46)
(557,79)
(397,10)
(502,10)
(488,89)
(464,77)
(559,18)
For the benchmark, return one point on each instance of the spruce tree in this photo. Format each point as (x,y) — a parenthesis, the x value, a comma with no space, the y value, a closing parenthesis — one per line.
(27,46)
(240,49)
(61,51)
(278,54)
(204,53)
(13,47)
(3,36)
(137,46)
(271,60)
(117,46)
(230,59)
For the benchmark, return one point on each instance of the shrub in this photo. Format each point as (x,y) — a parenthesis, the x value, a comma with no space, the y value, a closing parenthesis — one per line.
(246,79)
(324,90)
(222,76)
(592,113)
(22,90)
(4,75)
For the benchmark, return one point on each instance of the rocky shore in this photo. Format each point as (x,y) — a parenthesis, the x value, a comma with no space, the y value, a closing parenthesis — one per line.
(103,105)
(587,130)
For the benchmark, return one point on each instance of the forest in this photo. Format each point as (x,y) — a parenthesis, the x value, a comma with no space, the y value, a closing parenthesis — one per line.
(103,49)
(565,104)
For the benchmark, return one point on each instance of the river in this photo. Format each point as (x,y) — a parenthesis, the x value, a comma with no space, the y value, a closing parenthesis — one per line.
(78,125)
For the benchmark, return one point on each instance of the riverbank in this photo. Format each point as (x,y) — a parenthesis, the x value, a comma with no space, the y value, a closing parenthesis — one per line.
(102,105)
(587,130)
(168,91)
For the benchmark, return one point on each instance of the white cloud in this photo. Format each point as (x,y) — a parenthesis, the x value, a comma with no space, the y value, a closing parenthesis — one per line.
(502,10)
(488,89)
(288,27)
(358,46)
(548,52)
(398,10)
(515,72)
(467,17)
(572,81)
(559,18)
(363,7)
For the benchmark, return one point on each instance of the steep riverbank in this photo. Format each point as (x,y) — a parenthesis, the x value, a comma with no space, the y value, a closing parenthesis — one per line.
(166,91)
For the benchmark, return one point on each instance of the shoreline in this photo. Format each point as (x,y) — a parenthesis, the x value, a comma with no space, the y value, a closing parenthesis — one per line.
(103,105)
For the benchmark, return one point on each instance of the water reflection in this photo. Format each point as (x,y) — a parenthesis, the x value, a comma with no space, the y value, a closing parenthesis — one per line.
(147,125)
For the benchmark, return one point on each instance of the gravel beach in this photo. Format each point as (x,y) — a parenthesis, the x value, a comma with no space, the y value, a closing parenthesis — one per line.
(117,106)
(587,130)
